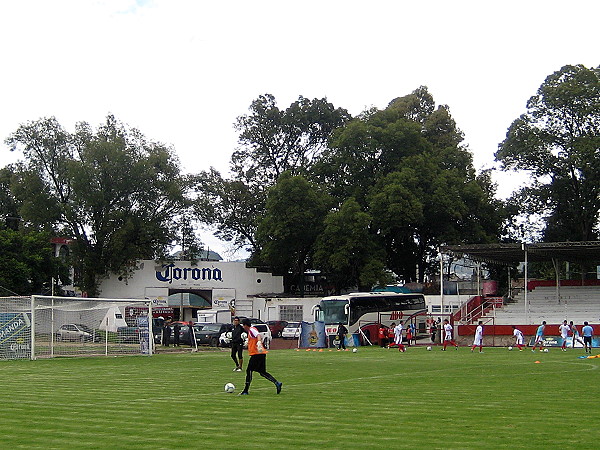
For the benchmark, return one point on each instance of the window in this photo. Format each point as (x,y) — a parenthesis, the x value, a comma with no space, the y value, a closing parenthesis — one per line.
(291,313)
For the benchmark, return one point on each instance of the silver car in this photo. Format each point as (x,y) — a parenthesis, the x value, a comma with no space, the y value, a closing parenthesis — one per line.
(76,332)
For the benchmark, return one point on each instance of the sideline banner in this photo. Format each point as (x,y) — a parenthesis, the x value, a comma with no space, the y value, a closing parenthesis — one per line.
(144,334)
(312,335)
(15,336)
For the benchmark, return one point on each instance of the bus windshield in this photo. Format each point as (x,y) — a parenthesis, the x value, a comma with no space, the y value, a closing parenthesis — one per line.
(333,311)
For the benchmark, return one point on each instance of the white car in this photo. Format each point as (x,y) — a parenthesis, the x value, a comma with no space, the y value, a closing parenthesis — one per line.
(291,331)
(265,332)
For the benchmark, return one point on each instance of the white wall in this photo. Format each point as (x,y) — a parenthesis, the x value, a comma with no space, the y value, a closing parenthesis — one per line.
(268,308)
(206,275)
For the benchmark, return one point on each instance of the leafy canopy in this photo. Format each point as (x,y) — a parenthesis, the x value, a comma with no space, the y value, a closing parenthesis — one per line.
(110,190)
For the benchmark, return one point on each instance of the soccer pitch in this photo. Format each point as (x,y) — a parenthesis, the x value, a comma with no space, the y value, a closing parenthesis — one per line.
(375,398)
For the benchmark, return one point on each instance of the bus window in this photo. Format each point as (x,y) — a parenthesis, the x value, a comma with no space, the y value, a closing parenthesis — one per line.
(334,311)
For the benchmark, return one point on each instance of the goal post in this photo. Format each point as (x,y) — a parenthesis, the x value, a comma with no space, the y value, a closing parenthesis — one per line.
(75,326)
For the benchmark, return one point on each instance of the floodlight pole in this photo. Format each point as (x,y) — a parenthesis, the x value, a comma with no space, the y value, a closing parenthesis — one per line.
(524,247)
(32,329)
(441,280)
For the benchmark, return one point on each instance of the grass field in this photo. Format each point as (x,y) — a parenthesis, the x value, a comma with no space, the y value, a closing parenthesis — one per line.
(374,398)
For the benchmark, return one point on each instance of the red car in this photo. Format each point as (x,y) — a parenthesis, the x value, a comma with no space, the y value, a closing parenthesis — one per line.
(276,327)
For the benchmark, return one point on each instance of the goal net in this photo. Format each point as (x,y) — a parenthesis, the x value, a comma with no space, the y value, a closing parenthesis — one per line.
(73,326)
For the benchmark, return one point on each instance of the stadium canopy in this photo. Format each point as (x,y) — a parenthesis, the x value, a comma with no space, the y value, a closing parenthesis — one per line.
(509,254)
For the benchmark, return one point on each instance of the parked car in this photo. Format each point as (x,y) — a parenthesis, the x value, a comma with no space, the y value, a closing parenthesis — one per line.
(291,331)
(77,332)
(210,333)
(265,332)
(184,332)
(127,335)
(276,327)
(253,320)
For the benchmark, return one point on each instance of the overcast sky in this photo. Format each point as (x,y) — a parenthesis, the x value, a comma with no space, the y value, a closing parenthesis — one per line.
(181,71)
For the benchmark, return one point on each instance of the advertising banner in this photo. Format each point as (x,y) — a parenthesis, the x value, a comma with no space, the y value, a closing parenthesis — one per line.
(312,335)
(144,333)
(15,336)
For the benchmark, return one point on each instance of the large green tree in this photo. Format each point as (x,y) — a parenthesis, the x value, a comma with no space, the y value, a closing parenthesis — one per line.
(557,142)
(111,190)
(347,252)
(294,217)
(406,167)
(271,142)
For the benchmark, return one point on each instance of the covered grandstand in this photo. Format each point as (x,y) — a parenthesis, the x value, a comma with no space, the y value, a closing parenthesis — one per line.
(550,300)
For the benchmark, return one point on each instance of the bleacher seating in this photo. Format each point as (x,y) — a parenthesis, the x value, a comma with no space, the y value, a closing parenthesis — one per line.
(576,303)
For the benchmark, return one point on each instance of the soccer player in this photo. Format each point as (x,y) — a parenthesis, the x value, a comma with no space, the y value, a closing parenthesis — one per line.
(382,336)
(564,333)
(391,335)
(341,333)
(478,340)
(539,336)
(575,334)
(588,333)
(448,335)
(237,345)
(398,337)
(518,334)
(258,358)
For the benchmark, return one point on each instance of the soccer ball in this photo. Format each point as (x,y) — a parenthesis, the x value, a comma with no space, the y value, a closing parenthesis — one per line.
(229,388)
(510,348)
(354,350)
(546,350)
(429,348)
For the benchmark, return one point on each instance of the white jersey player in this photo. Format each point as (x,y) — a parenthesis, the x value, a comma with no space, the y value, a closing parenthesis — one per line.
(478,340)
(518,334)
(564,330)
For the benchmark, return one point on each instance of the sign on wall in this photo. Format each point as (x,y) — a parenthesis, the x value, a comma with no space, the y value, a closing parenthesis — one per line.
(223,298)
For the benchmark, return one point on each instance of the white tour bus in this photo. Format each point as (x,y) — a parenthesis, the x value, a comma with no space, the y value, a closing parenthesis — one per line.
(357,309)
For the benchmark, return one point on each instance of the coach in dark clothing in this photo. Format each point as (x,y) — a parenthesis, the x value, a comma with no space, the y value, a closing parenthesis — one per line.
(166,337)
(341,332)
(237,344)
(176,330)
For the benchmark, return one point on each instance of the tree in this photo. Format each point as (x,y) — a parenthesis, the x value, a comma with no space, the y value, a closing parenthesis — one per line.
(232,206)
(9,205)
(112,191)
(274,141)
(557,140)
(293,220)
(347,252)
(27,265)
(406,167)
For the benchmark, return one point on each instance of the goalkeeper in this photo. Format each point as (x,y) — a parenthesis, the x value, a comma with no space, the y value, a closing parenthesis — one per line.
(258,358)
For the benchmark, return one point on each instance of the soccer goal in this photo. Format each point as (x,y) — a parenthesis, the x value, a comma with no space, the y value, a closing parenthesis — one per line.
(49,326)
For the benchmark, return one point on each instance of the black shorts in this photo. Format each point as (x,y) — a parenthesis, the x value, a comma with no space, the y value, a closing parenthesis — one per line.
(587,340)
(237,349)
(258,363)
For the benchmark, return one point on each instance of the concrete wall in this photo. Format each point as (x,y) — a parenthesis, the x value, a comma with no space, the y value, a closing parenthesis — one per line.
(205,275)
